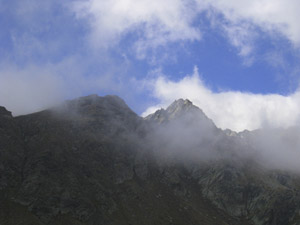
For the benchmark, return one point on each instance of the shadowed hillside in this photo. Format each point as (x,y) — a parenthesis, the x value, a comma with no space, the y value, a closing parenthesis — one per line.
(92,160)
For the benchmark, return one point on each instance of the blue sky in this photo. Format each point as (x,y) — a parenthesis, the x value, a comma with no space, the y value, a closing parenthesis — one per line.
(237,60)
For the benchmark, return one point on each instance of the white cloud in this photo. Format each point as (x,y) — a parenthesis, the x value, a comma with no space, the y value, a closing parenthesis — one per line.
(153,23)
(270,15)
(29,89)
(229,109)
(242,37)
(34,87)
(156,22)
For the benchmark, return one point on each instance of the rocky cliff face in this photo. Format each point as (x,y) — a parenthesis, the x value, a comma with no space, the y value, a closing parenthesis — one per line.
(92,160)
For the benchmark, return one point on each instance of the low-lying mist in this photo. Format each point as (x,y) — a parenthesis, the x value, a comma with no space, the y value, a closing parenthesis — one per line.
(277,148)
(184,133)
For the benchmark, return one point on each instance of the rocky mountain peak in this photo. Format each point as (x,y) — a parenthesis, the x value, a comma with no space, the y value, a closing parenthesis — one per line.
(180,104)
(179,109)
(94,99)
(96,106)
(92,112)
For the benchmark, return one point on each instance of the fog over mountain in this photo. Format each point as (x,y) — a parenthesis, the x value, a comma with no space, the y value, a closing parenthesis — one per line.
(206,129)
(92,160)
(188,131)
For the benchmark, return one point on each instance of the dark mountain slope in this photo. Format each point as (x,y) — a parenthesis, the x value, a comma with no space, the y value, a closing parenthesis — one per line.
(92,160)
(231,169)
(85,162)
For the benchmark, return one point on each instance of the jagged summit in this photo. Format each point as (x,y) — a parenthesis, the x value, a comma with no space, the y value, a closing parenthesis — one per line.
(179,109)
(180,105)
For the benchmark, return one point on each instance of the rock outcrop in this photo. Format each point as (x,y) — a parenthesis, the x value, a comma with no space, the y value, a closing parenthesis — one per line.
(5,112)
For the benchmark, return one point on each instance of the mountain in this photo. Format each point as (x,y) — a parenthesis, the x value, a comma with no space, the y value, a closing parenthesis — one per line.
(92,160)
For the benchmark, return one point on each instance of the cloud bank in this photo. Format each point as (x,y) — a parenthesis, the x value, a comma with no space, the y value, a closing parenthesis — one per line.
(229,109)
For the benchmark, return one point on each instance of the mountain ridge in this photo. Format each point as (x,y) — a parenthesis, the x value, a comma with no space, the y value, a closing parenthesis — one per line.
(92,160)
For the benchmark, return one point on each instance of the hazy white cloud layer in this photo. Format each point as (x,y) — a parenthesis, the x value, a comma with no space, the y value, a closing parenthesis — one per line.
(33,88)
(29,89)
(270,15)
(229,109)
(157,23)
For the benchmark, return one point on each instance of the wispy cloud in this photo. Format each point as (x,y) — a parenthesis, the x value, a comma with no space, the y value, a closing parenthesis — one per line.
(29,89)
(154,23)
(270,15)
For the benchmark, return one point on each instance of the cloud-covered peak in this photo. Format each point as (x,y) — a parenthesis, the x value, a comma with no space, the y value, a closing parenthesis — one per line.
(96,105)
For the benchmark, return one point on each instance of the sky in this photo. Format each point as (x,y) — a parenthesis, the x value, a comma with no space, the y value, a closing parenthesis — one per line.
(238,60)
